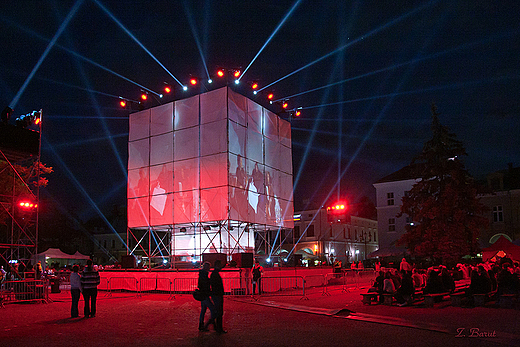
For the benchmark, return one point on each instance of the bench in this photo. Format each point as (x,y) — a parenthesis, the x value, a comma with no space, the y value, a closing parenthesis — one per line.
(429,299)
(456,298)
(506,300)
(369,297)
(480,299)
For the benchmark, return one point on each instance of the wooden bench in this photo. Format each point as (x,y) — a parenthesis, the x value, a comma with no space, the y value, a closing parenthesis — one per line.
(429,299)
(456,298)
(368,298)
(506,300)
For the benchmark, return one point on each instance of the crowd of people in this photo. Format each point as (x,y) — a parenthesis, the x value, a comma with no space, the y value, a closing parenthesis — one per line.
(493,278)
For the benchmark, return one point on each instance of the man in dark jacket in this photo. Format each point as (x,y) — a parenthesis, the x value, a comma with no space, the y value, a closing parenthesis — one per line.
(217,295)
(205,289)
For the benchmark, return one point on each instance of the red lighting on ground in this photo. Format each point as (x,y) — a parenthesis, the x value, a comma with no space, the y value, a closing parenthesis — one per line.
(236,73)
(122,103)
(220,73)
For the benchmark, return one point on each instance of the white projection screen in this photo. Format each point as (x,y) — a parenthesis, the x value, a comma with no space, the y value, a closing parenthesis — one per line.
(210,159)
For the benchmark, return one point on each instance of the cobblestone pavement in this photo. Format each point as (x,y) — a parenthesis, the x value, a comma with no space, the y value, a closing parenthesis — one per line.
(338,319)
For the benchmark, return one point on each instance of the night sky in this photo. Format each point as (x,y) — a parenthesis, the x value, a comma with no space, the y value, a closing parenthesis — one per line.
(386,62)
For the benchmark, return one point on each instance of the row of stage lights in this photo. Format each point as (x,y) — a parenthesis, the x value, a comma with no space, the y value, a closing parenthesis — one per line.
(221,73)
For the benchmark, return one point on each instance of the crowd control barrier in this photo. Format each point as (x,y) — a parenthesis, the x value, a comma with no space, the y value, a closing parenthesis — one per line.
(122,284)
(26,290)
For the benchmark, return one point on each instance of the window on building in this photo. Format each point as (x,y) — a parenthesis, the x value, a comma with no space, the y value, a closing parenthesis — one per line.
(391,224)
(498,214)
(310,230)
(390,199)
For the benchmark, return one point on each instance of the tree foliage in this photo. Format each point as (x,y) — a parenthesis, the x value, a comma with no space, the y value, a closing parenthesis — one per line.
(443,205)
(18,180)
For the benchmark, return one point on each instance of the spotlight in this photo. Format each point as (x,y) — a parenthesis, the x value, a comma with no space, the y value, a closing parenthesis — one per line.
(28,119)
(297,113)
(268,260)
(185,88)
(270,96)
(284,104)
(237,81)
(210,81)
(167,88)
(144,96)
(26,205)
(122,103)
(254,85)
(193,81)
(236,73)
(220,73)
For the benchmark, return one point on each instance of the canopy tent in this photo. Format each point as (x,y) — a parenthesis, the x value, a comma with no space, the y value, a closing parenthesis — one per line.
(389,252)
(57,254)
(502,248)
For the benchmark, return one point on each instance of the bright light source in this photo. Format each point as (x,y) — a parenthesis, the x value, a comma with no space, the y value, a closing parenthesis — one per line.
(255,92)
(193,81)
(236,73)
(210,81)
(285,104)
(332,250)
(165,261)
(297,113)
(270,96)
(268,260)
(144,96)
(185,88)
(220,73)
(254,85)
(167,89)
(237,81)
(285,259)
(357,251)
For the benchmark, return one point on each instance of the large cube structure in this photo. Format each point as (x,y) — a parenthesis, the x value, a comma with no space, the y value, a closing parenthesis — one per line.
(210,170)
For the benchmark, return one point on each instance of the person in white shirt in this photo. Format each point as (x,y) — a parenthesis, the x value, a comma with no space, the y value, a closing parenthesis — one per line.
(75,291)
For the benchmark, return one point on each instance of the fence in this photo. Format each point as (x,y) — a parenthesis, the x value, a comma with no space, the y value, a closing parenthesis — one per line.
(22,291)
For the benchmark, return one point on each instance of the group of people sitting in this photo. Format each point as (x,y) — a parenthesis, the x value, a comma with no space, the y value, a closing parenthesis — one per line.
(501,277)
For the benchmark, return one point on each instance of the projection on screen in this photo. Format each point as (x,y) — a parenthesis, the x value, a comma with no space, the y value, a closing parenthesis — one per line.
(212,160)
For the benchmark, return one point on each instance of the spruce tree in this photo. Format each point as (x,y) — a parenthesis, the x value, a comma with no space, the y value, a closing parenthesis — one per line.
(443,205)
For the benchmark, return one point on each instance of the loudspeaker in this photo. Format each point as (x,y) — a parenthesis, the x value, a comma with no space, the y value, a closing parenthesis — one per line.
(244,260)
(128,262)
(211,257)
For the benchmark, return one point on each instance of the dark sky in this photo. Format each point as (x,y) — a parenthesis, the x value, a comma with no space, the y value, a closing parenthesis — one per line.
(394,57)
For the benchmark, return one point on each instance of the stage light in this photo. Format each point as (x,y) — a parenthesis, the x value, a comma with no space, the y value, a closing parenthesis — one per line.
(284,104)
(210,81)
(185,88)
(122,103)
(237,81)
(27,205)
(193,81)
(254,85)
(220,73)
(30,118)
(255,92)
(144,96)
(297,113)
(268,260)
(167,89)
(236,73)
(270,96)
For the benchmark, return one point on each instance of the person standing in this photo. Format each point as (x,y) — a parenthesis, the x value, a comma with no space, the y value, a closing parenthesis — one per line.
(75,291)
(257,276)
(89,282)
(217,295)
(205,288)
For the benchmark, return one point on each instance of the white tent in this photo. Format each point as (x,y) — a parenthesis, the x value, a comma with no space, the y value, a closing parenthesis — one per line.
(58,255)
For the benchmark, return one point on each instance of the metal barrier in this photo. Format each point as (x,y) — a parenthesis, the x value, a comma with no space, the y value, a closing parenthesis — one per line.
(315,281)
(26,290)
(155,284)
(184,285)
(122,284)
(290,285)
